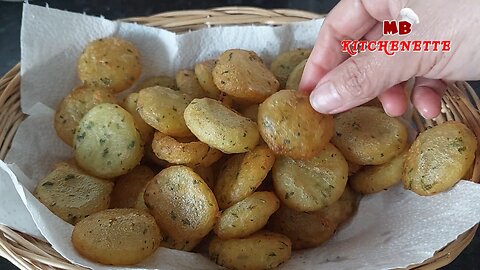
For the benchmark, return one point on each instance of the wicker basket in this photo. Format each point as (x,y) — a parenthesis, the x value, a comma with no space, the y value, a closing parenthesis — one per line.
(459,103)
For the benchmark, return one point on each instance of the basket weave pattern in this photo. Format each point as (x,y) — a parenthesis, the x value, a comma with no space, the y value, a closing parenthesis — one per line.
(460,103)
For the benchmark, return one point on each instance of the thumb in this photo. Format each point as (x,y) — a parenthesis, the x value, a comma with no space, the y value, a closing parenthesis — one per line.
(360,79)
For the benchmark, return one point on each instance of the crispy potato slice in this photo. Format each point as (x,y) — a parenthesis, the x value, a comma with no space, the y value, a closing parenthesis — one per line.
(376,178)
(162,108)
(71,194)
(368,136)
(203,71)
(117,236)
(128,187)
(160,80)
(286,62)
(263,250)
(107,144)
(74,106)
(187,83)
(243,75)
(296,75)
(438,158)
(304,229)
(183,206)
(247,216)
(109,63)
(220,127)
(242,174)
(251,112)
(309,185)
(343,209)
(130,104)
(192,154)
(290,126)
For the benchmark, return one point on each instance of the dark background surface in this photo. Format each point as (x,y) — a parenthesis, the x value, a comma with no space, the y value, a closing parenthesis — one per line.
(10,20)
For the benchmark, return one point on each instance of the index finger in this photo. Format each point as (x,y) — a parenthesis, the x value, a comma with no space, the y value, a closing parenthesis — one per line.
(350,19)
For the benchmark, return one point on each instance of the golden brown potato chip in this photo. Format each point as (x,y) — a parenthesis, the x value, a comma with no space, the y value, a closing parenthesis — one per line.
(243,75)
(438,158)
(183,206)
(263,250)
(162,108)
(247,216)
(203,71)
(375,178)
(187,83)
(294,78)
(117,236)
(220,127)
(128,187)
(286,62)
(309,185)
(71,194)
(74,106)
(193,153)
(130,104)
(290,126)
(109,63)
(107,143)
(343,209)
(368,136)
(159,80)
(304,229)
(242,174)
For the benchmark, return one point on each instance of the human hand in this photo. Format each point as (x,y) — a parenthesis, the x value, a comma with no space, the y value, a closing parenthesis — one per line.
(338,83)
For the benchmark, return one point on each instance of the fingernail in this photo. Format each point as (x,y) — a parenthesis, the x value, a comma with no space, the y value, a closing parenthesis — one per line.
(325,98)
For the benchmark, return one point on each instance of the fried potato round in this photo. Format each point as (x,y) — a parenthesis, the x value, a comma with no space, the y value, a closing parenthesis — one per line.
(74,106)
(117,236)
(243,75)
(192,154)
(251,112)
(242,174)
(130,104)
(107,144)
(110,63)
(71,194)
(304,229)
(438,158)
(376,178)
(187,83)
(290,126)
(309,185)
(128,187)
(183,205)
(140,201)
(368,136)
(220,127)
(159,80)
(263,250)
(343,209)
(286,62)
(162,108)
(296,75)
(203,71)
(247,216)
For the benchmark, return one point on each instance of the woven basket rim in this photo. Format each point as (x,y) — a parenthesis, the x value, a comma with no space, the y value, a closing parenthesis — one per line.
(26,252)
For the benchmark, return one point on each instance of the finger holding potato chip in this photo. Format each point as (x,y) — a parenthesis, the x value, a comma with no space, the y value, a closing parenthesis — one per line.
(291,127)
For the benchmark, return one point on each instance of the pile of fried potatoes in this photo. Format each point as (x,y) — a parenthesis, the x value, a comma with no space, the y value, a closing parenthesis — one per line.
(227,155)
